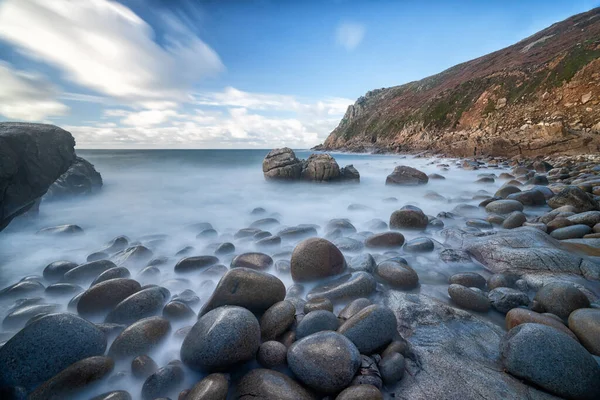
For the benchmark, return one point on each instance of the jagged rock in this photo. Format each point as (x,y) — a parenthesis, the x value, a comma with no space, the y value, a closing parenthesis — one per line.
(80,179)
(282,164)
(320,168)
(32,157)
(349,173)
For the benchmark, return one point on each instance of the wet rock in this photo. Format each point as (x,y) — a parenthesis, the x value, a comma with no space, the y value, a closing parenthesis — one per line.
(79,180)
(89,271)
(63,339)
(347,244)
(361,392)
(468,279)
(589,218)
(264,223)
(502,280)
(349,173)
(297,232)
(385,240)
(140,337)
(212,387)
(505,299)
(112,273)
(105,295)
(506,191)
(56,270)
(163,382)
(320,168)
(504,206)
(316,258)
(363,262)
(454,256)
(408,219)
(133,256)
(547,358)
(571,232)
(479,223)
(349,286)
(256,261)
(99,255)
(376,225)
(61,230)
(193,264)
(514,220)
(177,311)
(23,289)
(221,338)
(343,224)
(316,321)
(518,316)
(282,164)
(532,197)
(368,373)
(404,175)
(117,244)
(63,289)
(114,395)
(18,317)
(585,323)
(268,242)
(277,319)
(324,361)
(392,368)
(150,273)
(244,287)
(143,366)
(468,298)
(318,304)
(271,354)
(267,384)
(371,328)
(353,308)
(575,197)
(419,245)
(188,297)
(397,275)
(560,298)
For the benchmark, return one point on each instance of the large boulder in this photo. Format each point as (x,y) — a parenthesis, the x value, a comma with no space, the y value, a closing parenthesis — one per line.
(551,360)
(32,157)
(80,179)
(320,168)
(316,258)
(573,196)
(282,164)
(404,175)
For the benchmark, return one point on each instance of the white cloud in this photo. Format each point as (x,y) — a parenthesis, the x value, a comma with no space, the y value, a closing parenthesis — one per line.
(349,34)
(27,97)
(104,46)
(148,117)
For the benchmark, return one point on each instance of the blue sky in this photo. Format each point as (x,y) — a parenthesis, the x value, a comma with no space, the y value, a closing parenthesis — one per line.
(234,74)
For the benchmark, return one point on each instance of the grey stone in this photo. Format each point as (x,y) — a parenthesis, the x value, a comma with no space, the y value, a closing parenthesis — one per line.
(257,261)
(80,179)
(353,307)
(397,274)
(277,319)
(265,384)
(141,337)
(468,298)
(212,387)
(571,232)
(468,279)
(282,164)
(113,273)
(105,295)
(316,321)
(163,382)
(316,258)
(385,240)
(585,323)
(193,264)
(318,304)
(419,245)
(349,286)
(404,175)
(143,304)
(320,168)
(370,329)
(56,270)
(573,196)
(408,219)
(360,392)
(363,262)
(89,271)
(504,206)
(143,366)
(532,197)
(560,298)
(392,368)
(514,220)
(505,299)
(271,354)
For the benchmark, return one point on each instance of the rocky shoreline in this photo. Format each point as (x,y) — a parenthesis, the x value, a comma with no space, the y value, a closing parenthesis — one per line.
(495,300)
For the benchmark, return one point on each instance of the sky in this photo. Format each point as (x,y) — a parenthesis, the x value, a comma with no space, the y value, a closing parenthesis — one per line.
(235,73)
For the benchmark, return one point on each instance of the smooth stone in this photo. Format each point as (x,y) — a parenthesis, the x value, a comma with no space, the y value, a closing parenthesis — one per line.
(406,176)
(117,244)
(106,295)
(257,261)
(353,307)
(112,273)
(268,242)
(397,275)
(468,279)
(589,218)
(503,206)
(163,382)
(61,230)
(188,297)
(468,298)
(73,378)
(532,197)
(140,338)
(18,317)
(22,289)
(419,245)
(392,368)
(62,338)
(514,220)
(363,262)
(560,298)
(385,240)
(63,289)
(114,395)
(325,361)
(585,323)
(551,360)
(316,321)
(318,304)
(397,346)
(244,287)
(283,266)
(371,328)
(501,280)
(55,271)
(143,304)
(221,338)
(88,271)
(264,223)
(343,224)
(505,191)
(479,223)
(193,264)
(356,284)
(348,244)
(134,256)
(571,232)
(376,225)
(297,232)
(271,354)
(266,384)
(316,258)
(408,219)
(277,319)
(99,255)
(177,311)
(505,299)
(143,366)
(518,316)
(361,392)
(211,387)
(224,249)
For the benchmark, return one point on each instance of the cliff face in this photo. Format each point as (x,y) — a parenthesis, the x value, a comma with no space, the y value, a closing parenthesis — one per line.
(540,96)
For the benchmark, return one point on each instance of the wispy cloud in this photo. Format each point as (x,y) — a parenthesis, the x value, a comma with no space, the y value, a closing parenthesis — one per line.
(26,96)
(350,34)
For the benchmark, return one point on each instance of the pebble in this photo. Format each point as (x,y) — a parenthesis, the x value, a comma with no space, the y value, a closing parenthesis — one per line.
(105,295)
(270,385)
(56,270)
(559,298)
(468,279)
(353,307)
(197,263)
(143,304)
(164,382)
(385,240)
(88,271)
(505,299)
(571,232)
(397,275)
(140,337)
(408,219)
(419,245)
(371,328)
(316,258)
(271,354)
(514,220)
(316,321)
(585,323)
(468,298)
(212,387)
(503,206)
(392,368)
(277,319)
(318,304)
(349,286)
(257,261)
(143,366)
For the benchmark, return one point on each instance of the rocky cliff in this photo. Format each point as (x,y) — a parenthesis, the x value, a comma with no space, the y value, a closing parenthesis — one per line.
(540,96)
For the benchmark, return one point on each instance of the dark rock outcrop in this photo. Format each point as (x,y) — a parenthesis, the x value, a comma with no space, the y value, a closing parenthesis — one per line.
(32,158)
(282,164)
(80,179)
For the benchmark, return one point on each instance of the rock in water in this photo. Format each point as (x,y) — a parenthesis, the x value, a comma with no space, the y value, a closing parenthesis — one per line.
(560,298)
(316,258)
(324,361)
(221,338)
(245,287)
(163,382)
(573,196)
(371,328)
(349,173)
(404,175)
(32,157)
(282,164)
(320,168)
(47,346)
(140,337)
(266,384)
(80,179)
(552,360)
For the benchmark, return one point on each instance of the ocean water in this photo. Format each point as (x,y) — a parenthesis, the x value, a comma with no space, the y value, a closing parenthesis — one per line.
(149,192)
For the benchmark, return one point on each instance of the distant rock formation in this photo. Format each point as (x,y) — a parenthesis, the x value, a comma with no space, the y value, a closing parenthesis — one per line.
(282,164)
(32,157)
(540,96)
(80,179)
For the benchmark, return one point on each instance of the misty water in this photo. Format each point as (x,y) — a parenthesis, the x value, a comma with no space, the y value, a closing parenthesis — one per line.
(164,192)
